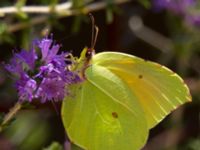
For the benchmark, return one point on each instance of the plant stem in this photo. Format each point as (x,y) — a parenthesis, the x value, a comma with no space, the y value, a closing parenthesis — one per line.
(59,8)
(35,9)
(64,12)
(10,115)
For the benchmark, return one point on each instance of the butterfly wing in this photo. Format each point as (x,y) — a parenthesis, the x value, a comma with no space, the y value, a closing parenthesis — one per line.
(158,89)
(103,114)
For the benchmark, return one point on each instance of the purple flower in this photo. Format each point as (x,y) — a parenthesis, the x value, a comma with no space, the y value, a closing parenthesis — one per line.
(48,50)
(188,9)
(15,67)
(26,87)
(177,6)
(28,57)
(19,59)
(51,89)
(45,78)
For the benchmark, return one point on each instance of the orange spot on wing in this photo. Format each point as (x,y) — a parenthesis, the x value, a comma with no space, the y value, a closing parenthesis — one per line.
(115,115)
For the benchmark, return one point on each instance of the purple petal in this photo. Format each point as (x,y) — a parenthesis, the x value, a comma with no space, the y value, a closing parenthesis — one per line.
(47,70)
(188,9)
(177,6)
(26,87)
(28,57)
(52,53)
(45,45)
(14,67)
(51,89)
(193,19)
(48,49)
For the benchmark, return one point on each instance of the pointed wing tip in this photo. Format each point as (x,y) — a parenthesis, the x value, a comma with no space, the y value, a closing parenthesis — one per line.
(189,99)
(188,94)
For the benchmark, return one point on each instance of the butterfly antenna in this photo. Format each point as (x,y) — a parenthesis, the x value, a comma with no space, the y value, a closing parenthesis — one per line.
(95,31)
(95,36)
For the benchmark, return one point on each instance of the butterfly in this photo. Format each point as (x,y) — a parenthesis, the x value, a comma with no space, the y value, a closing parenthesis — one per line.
(121,98)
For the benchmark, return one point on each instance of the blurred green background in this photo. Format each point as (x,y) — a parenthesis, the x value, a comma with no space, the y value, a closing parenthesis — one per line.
(133,27)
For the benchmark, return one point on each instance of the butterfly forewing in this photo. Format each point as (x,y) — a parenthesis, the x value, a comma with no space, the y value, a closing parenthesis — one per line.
(158,89)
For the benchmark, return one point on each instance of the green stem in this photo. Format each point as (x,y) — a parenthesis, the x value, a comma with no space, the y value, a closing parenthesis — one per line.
(10,115)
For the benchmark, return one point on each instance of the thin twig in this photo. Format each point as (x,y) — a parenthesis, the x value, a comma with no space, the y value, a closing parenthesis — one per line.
(59,8)
(10,115)
(36,9)
(62,13)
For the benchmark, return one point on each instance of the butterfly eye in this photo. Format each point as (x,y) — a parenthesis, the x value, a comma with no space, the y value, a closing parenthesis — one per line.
(89,53)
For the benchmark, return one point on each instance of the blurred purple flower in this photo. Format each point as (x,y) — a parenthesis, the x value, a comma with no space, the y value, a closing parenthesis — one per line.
(26,87)
(45,78)
(27,57)
(188,9)
(51,89)
(178,6)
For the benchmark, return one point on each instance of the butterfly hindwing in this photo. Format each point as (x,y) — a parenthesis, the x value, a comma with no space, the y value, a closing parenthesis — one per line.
(104,114)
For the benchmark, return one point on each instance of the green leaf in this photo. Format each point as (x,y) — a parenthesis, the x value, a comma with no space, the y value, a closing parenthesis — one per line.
(4,35)
(54,146)
(145,3)
(109,15)
(102,113)
(19,5)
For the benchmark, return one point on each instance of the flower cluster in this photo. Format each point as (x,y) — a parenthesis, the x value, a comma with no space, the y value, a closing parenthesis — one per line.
(188,9)
(41,72)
